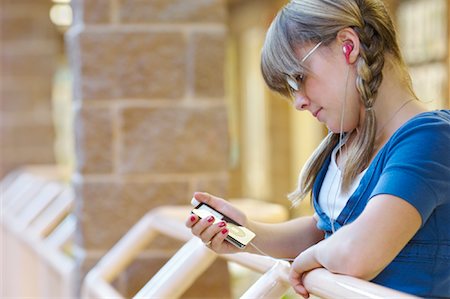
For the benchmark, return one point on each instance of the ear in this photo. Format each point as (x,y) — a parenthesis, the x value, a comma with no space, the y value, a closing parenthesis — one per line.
(348,41)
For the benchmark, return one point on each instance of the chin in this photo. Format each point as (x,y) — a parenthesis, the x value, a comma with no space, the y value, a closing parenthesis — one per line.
(337,129)
(333,129)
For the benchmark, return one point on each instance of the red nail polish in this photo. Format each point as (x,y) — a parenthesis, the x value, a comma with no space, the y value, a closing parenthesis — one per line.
(224,231)
(222,224)
(210,219)
(192,218)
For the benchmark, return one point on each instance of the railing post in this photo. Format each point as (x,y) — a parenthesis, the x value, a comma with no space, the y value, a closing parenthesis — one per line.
(270,285)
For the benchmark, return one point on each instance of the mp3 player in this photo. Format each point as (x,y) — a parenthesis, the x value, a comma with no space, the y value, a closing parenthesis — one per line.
(238,235)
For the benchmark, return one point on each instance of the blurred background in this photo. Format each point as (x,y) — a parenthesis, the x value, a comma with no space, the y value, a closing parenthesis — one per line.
(143,102)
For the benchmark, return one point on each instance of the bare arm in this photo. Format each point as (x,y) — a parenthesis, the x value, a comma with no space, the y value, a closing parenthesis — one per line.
(365,247)
(286,239)
(373,240)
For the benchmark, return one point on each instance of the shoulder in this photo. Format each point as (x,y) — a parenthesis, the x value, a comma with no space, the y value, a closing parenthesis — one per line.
(415,163)
(426,129)
(437,119)
(422,141)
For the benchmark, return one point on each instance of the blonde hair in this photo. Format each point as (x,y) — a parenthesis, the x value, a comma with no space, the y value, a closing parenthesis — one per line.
(312,21)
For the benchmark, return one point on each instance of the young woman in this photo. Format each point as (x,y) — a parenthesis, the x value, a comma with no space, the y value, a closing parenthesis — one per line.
(380,180)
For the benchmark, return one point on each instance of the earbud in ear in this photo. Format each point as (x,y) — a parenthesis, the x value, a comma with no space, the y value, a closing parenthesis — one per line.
(347,49)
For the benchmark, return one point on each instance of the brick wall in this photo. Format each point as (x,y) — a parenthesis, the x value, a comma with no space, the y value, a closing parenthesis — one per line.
(150,120)
(29,51)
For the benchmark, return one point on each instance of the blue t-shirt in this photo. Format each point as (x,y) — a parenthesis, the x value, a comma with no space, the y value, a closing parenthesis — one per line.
(415,166)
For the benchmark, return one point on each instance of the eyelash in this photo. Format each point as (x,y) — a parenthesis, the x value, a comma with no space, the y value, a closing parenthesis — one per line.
(299,79)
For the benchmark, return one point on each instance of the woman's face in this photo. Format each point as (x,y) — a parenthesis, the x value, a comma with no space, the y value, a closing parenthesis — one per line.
(329,83)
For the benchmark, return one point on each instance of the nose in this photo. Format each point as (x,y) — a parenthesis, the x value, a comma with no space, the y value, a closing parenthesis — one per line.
(301,102)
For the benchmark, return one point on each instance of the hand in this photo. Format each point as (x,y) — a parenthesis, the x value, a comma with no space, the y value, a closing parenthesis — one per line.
(214,234)
(304,262)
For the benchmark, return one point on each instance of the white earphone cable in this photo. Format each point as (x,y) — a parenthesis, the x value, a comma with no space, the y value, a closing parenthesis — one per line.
(265,254)
(340,144)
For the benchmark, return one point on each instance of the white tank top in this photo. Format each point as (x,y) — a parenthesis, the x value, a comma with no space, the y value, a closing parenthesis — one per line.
(331,200)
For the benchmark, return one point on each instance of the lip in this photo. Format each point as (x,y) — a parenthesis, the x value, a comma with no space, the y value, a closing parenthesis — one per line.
(317,112)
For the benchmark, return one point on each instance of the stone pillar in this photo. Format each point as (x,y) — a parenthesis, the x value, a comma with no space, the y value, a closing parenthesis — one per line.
(150,120)
(29,49)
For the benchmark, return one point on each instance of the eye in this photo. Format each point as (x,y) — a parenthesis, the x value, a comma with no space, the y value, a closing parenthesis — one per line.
(292,83)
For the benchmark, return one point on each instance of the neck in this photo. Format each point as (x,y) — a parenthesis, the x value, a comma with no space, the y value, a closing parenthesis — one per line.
(394,105)
(382,126)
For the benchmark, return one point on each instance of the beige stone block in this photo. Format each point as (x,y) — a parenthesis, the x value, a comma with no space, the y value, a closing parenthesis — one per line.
(96,11)
(32,64)
(28,42)
(15,27)
(19,24)
(94,140)
(216,186)
(163,242)
(132,65)
(13,157)
(25,95)
(213,283)
(141,270)
(174,140)
(209,60)
(172,11)
(37,154)
(22,136)
(108,209)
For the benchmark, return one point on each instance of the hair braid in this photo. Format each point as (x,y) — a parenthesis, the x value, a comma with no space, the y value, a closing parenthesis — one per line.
(369,76)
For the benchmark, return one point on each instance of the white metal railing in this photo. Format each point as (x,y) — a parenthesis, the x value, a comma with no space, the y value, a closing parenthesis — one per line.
(185,266)
(38,255)
(36,227)
(194,258)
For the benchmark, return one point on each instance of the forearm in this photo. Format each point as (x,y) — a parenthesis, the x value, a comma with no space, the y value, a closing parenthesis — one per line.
(366,246)
(287,239)
(343,255)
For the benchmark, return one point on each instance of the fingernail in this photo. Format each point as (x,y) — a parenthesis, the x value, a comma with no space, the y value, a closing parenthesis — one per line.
(210,219)
(222,224)
(224,231)
(192,218)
